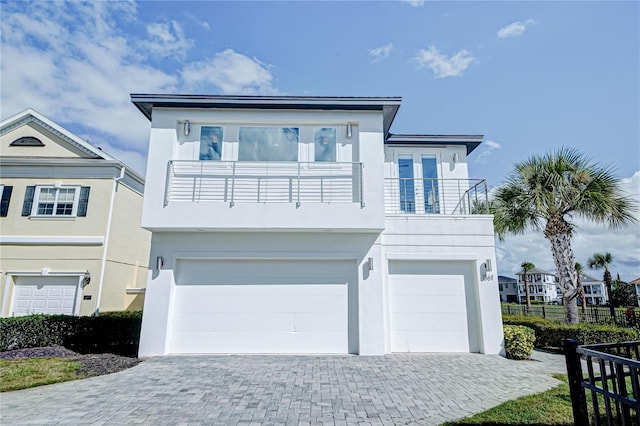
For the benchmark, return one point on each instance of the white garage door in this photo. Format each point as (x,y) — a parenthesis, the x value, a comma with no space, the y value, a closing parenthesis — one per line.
(432,307)
(44,295)
(263,306)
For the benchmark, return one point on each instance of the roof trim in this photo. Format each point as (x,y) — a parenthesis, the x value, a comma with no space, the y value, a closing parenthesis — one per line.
(388,105)
(470,141)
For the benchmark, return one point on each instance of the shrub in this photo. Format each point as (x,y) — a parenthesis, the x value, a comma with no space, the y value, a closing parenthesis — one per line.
(111,332)
(518,341)
(553,333)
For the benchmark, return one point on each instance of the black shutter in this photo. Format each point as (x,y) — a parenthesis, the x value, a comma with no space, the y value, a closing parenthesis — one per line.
(4,202)
(84,201)
(28,200)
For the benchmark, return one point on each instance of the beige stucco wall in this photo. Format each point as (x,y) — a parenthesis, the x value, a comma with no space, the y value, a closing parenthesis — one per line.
(127,251)
(54,145)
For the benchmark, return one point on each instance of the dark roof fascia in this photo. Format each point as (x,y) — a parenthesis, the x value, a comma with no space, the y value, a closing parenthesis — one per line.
(388,105)
(470,141)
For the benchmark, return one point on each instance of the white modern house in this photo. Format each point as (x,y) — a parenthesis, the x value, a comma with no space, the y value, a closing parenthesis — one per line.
(542,286)
(302,225)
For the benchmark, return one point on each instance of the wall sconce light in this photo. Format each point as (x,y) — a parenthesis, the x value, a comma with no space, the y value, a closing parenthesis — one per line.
(159,262)
(455,158)
(86,278)
(349,130)
(187,128)
(487,264)
(370,264)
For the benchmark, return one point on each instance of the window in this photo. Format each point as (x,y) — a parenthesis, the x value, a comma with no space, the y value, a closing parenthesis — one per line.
(430,182)
(324,140)
(268,143)
(5,197)
(210,143)
(54,201)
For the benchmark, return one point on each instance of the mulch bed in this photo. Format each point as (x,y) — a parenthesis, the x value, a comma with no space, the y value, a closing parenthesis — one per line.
(90,364)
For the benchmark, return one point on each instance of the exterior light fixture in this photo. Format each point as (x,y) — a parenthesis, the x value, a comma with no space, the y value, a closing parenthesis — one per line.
(349,130)
(187,128)
(159,262)
(86,278)
(455,158)
(370,264)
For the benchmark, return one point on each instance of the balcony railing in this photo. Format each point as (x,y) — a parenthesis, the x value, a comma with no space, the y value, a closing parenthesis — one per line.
(436,196)
(264,182)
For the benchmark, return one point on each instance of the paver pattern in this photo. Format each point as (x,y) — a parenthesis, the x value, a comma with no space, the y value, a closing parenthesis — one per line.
(399,389)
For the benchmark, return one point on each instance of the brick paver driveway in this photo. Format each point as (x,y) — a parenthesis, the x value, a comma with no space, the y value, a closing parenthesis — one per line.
(391,390)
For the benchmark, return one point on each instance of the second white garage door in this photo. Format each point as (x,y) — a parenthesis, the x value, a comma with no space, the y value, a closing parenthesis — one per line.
(264,306)
(432,307)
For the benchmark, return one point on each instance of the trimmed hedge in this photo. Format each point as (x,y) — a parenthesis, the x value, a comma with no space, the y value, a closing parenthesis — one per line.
(518,341)
(111,332)
(552,334)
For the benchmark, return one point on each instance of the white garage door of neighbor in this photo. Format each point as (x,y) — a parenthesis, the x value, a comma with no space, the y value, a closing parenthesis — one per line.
(263,306)
(432,307)
(44,295)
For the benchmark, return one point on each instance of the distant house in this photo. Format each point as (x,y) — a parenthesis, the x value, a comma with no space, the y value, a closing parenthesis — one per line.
(542,286)
(508,289)
(595,291)
(295,224)
(71,239)
(636,284)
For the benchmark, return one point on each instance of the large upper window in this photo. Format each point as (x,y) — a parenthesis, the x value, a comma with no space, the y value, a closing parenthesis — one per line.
(268,143)
(210,143)
(325,144)
(56,201)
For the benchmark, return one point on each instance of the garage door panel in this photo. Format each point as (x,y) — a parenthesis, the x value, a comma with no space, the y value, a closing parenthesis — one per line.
(256,342)
(260,306)
(443,341)
(431,306)
(455,304)
(44,294)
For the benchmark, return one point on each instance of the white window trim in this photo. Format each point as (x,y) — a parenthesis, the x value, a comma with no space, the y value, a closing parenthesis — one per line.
(36,198)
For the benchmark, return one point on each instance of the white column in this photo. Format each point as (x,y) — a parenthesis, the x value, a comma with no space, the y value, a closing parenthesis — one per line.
(157,309)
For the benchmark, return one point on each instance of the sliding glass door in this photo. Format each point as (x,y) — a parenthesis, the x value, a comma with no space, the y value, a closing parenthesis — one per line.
(418,183)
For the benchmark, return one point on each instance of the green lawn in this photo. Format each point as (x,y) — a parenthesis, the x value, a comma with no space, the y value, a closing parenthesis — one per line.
(30,372)
(552,407)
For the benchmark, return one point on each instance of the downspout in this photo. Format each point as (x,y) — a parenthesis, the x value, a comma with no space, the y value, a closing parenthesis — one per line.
(106,240)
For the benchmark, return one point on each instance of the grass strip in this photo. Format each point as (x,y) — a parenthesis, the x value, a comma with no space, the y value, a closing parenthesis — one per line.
(26,373)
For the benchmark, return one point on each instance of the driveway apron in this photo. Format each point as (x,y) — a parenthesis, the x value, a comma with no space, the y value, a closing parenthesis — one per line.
(397,389)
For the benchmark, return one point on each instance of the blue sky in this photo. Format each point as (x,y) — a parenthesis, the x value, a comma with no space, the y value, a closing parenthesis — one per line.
(530,76)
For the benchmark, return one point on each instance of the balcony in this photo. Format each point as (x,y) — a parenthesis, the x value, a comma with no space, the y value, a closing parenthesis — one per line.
(264,182)
(436,196)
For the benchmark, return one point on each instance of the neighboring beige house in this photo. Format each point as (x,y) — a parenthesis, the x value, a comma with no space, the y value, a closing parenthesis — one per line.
(70,235)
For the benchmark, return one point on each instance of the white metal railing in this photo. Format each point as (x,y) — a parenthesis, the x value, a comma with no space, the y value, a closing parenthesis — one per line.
(264,182)
(436,196)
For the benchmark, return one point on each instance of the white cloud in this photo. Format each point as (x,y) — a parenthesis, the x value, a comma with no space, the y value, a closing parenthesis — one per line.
(489,147)
(415,3)
(379,53)
(77,63)
(515,29)
(588,238)
(441,65)
(232,72)
(167,39)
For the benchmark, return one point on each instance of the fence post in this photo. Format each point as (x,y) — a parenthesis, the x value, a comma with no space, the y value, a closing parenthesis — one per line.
(574,371)
(544,315)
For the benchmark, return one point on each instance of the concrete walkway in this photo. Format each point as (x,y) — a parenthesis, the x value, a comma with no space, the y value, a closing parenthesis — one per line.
(399,389)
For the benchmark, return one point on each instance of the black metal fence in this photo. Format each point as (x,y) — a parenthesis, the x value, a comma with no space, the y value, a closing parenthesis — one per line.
(624,318)
(612,382)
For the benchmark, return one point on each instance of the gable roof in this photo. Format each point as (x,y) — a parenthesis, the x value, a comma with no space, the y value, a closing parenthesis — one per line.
(94,153)
(388,105)
(503,279)
(536,271)
(30,115)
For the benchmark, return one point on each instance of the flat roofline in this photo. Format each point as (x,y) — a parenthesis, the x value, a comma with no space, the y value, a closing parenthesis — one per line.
(471,142)
(388,105)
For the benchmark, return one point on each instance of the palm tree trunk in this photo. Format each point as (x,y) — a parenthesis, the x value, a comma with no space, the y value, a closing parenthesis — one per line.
(565,266)
(607,282)
(526,292)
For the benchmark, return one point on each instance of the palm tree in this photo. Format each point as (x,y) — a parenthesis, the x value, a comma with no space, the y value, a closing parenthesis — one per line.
(602,261)
(546,192)
(580,293)
(526,268)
